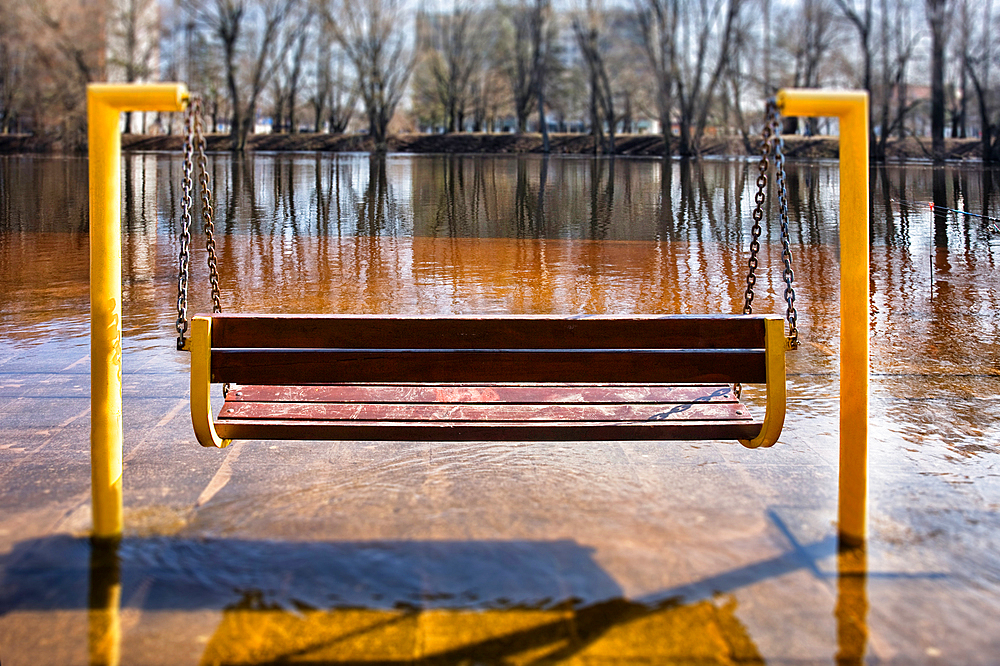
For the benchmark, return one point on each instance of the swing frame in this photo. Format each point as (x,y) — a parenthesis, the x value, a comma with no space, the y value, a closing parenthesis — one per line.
(105,102)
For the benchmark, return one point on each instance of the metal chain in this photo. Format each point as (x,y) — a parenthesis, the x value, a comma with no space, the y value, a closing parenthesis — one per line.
(758,217)
(207,210)
(184,270)
(208,216)
(791,314)
(773,144)
(194,142)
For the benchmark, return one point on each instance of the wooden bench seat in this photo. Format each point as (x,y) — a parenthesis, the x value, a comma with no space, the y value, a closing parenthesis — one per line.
(519,378)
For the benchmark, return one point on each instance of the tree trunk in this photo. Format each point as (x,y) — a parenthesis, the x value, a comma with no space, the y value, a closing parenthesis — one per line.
(936,19)
(237,139)
(542,123)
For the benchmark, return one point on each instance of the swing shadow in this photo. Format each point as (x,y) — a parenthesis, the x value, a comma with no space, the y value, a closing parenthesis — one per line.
(720,392)
(423,602)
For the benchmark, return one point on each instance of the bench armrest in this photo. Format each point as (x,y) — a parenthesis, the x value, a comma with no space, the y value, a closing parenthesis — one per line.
(774,413)
(201,384)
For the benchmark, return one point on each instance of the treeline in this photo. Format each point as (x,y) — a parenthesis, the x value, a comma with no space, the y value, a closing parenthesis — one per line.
(691,69)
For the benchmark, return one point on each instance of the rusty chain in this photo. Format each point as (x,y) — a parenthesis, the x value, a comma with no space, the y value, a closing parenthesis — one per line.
(207,211)
(194,145)
(772,147)
(184,270)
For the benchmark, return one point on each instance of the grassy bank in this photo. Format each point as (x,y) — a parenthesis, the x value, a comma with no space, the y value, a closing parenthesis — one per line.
(797,147)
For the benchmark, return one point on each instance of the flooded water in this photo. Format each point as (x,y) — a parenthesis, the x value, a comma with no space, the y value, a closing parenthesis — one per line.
(618,552)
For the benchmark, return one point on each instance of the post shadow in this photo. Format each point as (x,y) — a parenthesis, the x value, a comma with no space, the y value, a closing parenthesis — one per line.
(851,611)
(104,603)
(307,598)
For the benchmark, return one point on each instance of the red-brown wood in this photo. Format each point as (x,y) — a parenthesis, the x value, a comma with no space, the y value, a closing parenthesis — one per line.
(521,378)
(488,431)
(489,331)
(486,393)
(310,366)
(443,413)
(484,412)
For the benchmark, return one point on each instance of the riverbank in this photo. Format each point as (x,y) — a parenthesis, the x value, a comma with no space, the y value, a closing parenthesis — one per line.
(797,147)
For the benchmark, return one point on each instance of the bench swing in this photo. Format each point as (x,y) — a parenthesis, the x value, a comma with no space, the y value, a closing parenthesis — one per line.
(484,377)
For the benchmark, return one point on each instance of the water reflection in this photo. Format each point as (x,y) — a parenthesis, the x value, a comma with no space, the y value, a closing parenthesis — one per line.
(467,234)
(525,234)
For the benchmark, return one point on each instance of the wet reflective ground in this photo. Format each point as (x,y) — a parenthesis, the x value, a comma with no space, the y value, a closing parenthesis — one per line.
(359,552)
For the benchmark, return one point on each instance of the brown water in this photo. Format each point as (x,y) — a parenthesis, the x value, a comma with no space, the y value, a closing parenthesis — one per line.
(502,553)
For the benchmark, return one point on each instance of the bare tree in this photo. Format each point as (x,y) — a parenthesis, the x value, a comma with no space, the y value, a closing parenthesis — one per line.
(67,49)
(322,79)
(977,59)
(287,80)
(887,44)
(937,22)
(815,37)
(14,68)
(334,94)
(372,35)
(543,34)
(489,95)
(294,71)
(279,97)
(689,45)
(343,97)
(658,22)
(738,81)
(861,17)
(518,65)
(587,30)
(133,39)
(958,97)
(527,55)
(188,52)
(453,45)
(898,43)
(250,29)
(706,33)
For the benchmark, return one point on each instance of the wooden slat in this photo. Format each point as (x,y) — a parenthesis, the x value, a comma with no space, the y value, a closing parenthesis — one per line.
(486,393)
(711,413)
(488,431)
(452,413)
(310,366)
(485,331)
(521,378)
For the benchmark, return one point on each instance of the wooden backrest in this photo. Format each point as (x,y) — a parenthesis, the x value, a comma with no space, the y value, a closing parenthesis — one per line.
(293,349)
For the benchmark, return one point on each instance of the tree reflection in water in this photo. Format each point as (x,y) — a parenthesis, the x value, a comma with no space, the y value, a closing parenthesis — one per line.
(423,235)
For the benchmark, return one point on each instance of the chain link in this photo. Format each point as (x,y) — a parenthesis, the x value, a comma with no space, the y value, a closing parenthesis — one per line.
(758,217)
(194,145)
(773,146)
(207,212)
(791,314)
(184,271)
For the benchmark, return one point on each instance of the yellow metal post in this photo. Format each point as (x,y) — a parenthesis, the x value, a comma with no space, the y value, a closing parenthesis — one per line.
(105,102)
(851,108)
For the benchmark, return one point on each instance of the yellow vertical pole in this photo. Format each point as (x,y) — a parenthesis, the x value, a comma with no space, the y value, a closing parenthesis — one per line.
(105,102)
(851,108)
